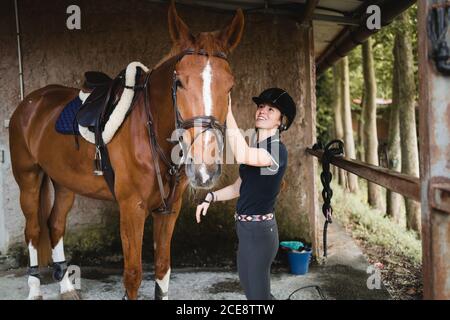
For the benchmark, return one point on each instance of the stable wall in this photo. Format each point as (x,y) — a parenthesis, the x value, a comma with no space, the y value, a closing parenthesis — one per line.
(274,52)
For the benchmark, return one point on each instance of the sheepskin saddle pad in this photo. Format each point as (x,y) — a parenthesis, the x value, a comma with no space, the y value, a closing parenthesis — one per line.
(101,99)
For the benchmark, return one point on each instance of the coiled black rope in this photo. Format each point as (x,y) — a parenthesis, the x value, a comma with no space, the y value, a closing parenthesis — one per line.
(325,177)
(437,28)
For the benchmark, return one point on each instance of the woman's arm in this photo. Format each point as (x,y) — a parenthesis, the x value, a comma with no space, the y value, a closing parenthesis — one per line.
(257,157)
(227,193)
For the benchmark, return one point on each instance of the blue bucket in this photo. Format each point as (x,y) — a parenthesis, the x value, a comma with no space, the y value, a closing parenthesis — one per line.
(299,261)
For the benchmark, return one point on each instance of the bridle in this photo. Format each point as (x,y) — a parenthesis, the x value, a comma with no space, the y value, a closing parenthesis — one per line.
(207,123)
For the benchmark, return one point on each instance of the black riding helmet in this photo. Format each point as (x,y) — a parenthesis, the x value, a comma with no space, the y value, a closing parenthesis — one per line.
(280,99)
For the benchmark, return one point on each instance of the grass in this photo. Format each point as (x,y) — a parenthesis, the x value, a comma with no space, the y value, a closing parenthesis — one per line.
(372,226)
(382,240)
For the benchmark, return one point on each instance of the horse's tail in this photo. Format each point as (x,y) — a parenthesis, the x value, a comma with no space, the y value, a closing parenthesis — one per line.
(44,247)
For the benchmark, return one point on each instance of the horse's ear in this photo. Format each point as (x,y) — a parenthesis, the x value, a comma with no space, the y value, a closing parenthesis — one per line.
(179,31)
(232,34)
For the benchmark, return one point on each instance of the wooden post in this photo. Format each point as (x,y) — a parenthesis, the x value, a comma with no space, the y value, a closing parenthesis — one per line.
(434,126)
(310,138)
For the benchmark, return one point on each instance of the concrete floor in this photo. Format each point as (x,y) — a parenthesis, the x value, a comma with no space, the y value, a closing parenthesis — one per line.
(344,276)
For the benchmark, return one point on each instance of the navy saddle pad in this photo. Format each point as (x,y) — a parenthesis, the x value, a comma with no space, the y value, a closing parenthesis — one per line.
(67,123)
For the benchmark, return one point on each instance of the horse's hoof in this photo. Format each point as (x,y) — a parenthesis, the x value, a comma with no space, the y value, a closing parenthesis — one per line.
(125,297)
(70,295)
(36,298)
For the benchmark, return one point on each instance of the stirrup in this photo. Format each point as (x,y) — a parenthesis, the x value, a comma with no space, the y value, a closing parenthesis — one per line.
(98,171)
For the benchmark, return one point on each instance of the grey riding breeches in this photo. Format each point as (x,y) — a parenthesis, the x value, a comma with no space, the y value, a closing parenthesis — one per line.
(258,246)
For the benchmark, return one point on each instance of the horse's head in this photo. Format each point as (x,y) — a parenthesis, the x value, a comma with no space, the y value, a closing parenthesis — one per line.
(201,87)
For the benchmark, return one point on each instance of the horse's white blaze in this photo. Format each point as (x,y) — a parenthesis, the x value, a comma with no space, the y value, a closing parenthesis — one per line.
(58,252)
(35,287)
(164,284)
(207,96)
(203,173)
(65,285)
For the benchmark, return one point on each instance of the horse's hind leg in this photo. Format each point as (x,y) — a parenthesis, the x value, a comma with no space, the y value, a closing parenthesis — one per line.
(64,199)
(35,204)
(163,226)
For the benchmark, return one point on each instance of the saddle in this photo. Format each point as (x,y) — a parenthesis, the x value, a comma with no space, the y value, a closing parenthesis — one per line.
(102,99)
(95,112)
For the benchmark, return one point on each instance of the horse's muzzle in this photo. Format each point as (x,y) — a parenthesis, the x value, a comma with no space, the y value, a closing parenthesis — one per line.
(203,176)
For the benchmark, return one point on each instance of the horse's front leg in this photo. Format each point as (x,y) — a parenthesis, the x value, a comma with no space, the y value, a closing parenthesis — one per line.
(132,220)
(163,226)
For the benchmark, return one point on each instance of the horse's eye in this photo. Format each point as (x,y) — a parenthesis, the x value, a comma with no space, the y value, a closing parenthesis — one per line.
(179,83)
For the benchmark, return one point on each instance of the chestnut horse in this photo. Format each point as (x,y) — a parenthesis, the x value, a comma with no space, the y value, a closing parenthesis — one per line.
(41,157)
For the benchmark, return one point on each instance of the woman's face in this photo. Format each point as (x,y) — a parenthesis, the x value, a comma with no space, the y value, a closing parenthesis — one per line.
(267,117)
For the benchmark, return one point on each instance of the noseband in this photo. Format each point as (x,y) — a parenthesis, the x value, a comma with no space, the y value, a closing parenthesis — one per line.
(203,121)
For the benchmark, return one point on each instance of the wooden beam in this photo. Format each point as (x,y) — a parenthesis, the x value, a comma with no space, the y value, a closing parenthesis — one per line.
(306,16)
(401,183)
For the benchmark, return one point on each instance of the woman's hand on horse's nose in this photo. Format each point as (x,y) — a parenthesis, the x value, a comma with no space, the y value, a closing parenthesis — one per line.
(201,209)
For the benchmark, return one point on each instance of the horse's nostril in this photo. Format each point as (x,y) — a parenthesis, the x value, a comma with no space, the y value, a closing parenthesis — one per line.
(181,153)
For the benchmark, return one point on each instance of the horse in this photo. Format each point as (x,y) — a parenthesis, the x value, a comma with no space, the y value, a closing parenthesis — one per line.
(193,81)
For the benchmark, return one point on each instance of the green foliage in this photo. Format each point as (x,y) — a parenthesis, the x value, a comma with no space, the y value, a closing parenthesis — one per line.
(383,45)
(371,226)
(324,102)
(356,75)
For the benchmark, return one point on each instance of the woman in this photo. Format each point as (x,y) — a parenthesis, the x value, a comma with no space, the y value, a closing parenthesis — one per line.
(260,174)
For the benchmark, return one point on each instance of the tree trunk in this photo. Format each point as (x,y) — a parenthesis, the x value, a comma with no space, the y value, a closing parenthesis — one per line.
(370,121)
(348,129)
(407,116)
(337,111)
(360,149)
(393,200)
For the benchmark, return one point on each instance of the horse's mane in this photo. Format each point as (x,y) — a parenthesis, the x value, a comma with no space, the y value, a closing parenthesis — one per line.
(205,41)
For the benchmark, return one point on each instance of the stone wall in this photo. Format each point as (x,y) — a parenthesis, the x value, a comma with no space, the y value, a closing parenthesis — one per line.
(274,52)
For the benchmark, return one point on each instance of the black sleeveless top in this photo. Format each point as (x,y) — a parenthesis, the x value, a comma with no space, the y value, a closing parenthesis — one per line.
(261,185)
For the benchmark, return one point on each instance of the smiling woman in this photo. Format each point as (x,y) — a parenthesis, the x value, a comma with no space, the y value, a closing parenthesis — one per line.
(260,175)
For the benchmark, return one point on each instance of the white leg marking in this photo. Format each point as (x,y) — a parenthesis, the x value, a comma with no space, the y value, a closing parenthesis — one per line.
(33,255)
(34,283)
(58,252)
(207,80)
(164,284)
(35,288)
(65,284)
